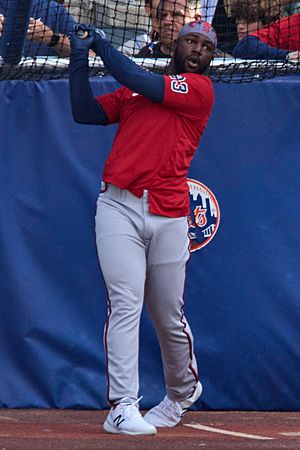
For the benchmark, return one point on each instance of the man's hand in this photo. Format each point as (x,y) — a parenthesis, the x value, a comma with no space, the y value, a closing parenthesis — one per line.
(38,31)
(1,23)
(294,55)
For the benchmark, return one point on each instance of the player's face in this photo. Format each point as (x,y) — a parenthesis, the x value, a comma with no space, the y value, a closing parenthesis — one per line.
(173,16)
(193,53)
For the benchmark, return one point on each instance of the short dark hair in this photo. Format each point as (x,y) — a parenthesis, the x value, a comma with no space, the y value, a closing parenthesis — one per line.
(254,11)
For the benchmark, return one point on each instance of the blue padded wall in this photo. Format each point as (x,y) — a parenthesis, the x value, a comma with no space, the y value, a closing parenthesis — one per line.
(243,289)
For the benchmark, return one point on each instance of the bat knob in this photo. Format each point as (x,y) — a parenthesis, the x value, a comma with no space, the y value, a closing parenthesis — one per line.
(82,34)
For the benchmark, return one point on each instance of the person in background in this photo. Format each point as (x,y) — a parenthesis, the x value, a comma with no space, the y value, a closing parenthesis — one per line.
(251,17)
(233,19)
(278,41)
(172,16)
(48,29)
(133,46)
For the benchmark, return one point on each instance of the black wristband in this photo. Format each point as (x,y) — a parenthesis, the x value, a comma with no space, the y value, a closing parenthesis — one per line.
(54,40)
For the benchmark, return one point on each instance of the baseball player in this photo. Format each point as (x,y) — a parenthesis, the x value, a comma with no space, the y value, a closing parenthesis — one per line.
(142,213)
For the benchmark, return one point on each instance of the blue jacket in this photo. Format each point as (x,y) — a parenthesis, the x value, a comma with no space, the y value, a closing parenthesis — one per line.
(250,47)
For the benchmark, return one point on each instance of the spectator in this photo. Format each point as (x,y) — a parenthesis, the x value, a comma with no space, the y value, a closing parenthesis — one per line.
(172,15)
(278,41)
(227,12)
(48,28)
(133,46)
(250,17)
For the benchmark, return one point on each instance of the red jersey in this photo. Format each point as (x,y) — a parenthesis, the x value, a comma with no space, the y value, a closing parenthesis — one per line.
(283,34)
(155,142)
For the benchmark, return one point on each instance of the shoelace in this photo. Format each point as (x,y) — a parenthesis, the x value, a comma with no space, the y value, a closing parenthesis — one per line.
(130,408)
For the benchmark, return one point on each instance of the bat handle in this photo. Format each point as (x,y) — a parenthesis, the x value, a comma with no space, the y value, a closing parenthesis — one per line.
(82,34)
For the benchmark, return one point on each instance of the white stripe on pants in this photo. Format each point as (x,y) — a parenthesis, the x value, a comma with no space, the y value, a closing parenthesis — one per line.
(143,258)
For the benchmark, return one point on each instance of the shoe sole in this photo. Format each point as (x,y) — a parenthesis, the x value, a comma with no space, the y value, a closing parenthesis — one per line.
(110,429)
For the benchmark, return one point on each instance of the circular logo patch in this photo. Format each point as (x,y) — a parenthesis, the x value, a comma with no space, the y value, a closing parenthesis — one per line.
(204,217)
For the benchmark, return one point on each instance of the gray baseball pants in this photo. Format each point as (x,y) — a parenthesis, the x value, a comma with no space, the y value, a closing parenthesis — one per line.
(143,259)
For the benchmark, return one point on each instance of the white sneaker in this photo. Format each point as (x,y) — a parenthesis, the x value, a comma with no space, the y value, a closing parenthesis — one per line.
(125,418)
(168,413)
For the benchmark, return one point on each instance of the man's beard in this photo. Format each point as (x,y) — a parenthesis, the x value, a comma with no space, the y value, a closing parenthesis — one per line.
(179,64)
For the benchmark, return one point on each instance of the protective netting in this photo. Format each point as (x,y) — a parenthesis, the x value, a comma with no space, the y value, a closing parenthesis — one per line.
(257,39)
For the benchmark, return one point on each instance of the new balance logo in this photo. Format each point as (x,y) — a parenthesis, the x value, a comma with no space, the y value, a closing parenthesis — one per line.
(118,420)
(134,94)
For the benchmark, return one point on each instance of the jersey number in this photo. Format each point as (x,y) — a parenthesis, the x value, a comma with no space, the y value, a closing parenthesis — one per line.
(179,86)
